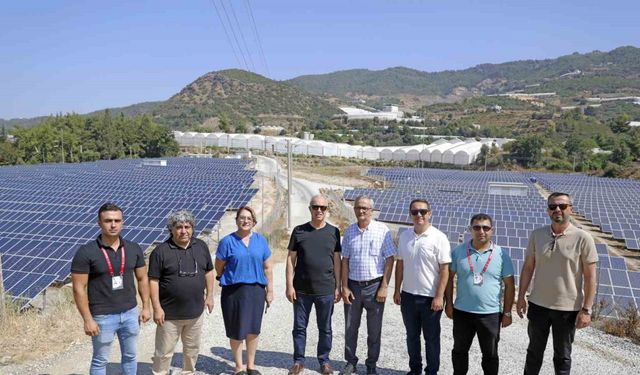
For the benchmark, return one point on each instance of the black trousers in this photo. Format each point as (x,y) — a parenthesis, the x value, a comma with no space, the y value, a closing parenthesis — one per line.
(563,326)
(465,327)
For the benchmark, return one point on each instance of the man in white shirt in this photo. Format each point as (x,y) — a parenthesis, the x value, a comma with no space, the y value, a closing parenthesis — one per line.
(422,271)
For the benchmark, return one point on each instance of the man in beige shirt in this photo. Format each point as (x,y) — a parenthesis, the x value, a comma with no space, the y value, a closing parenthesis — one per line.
(564,259)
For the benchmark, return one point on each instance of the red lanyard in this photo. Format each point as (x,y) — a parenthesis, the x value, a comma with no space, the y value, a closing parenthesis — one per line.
(106,257)
(486,265)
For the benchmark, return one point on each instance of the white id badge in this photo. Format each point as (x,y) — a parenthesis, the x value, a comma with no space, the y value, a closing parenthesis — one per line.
(477,278)
(116,283)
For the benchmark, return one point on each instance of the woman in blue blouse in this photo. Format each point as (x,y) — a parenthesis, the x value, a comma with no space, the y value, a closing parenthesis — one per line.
(243,264)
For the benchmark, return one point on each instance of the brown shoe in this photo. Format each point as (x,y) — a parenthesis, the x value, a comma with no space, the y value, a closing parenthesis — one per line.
(326,369)
(297,369)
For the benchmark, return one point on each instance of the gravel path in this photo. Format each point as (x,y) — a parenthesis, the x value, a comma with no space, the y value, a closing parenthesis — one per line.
(594,352)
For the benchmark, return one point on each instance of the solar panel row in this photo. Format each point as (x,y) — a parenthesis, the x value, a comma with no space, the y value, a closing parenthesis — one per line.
(48,211)
(456,195)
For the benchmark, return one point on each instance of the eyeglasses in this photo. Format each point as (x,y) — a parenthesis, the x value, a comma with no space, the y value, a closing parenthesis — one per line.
(318,207)
(422,212)
(360,208)
(477,228)
(563,206)
(182,273)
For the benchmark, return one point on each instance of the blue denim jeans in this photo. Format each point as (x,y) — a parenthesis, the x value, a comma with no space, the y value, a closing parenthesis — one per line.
(126,326)
(301,311)
(418,317)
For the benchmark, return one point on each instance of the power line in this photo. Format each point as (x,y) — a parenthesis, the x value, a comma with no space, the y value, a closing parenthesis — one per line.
(257,36)
(233,32)
(244,42)
(226,33)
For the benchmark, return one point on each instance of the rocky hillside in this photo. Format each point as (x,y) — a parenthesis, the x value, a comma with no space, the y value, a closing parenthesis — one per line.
(240,98)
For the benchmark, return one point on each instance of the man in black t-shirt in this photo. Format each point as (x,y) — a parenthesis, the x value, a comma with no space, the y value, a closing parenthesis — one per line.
(313,279)
(180,272)
(102,274)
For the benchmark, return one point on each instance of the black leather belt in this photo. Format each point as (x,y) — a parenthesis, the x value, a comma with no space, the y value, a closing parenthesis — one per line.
(367,282)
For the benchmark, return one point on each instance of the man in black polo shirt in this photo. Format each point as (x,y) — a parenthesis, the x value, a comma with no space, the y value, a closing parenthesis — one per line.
(102,273)
(180,271)
(313,279)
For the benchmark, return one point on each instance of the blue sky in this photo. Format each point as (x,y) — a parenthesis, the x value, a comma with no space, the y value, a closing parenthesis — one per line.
(78,56)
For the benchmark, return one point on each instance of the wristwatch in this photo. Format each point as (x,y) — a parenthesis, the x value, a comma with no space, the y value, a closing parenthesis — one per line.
(508,313)
(584,310)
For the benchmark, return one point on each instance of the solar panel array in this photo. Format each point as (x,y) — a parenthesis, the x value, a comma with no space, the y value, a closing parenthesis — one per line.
(455,196)
(48,211)
(610,203)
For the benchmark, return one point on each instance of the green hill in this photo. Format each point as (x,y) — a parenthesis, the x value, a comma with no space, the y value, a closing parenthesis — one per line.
(235,99)
(596,72)
(241,97)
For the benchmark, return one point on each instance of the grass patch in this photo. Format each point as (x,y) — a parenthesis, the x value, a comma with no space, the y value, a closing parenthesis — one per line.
(33,334)
(626,325)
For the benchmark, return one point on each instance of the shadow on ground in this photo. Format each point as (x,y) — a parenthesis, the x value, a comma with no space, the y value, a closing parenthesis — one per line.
(278,362)
(269,362)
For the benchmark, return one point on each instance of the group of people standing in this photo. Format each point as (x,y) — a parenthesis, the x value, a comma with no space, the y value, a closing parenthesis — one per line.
(177,287)
(321,270)
(427,272)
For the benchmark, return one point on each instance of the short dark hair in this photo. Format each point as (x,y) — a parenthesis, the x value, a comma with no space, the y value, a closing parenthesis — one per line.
(481,216)
(558,194)
(108,207)
(420,200)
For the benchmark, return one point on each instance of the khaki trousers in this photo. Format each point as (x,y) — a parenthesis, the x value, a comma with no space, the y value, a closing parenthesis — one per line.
(167,335)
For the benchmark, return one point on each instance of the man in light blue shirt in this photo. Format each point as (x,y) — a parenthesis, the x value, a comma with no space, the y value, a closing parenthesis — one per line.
(482,267)
(367,263)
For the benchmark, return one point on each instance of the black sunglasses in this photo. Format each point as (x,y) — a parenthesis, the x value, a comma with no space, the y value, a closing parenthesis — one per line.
(477,228)
(563,206)
(422,212)
(318,207)
(182,273)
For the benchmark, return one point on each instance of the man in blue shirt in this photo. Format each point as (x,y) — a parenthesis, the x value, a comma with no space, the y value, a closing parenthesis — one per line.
(482,267)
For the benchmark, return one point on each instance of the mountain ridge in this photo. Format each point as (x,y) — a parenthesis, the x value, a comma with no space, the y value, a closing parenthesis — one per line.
(244,98)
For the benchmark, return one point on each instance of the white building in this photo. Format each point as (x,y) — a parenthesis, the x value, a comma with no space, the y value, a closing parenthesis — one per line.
(388,113)
(455,151)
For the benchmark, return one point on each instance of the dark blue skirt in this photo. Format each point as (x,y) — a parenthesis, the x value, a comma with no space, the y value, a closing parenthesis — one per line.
(242,309)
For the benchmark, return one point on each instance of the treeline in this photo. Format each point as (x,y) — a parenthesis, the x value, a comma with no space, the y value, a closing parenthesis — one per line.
(73,138)
(564,148)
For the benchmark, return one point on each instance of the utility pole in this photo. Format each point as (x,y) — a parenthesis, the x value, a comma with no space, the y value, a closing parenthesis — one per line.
(289,184)
(62,144)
